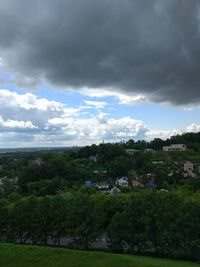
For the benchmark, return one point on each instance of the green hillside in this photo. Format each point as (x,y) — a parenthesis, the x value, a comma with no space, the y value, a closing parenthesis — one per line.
(32,256)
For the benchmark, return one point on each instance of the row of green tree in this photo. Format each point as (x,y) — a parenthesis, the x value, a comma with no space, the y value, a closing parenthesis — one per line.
(107,152)
(192,140)
(160,223)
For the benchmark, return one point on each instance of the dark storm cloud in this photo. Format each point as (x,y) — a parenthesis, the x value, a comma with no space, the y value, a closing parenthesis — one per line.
(150,47)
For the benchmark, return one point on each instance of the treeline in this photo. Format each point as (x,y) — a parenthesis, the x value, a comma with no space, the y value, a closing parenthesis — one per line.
(192,140)
(160,223)
(108,151)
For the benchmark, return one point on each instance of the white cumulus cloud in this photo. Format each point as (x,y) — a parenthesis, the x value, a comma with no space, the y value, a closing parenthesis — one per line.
(27,101)
(162,134)
(96,104)
(29,120)
(125,99)
(16,124)
(193,128)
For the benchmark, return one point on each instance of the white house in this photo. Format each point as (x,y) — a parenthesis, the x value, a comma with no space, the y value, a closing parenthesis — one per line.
(175,147)
(102,186)
(188,166)
(122,181)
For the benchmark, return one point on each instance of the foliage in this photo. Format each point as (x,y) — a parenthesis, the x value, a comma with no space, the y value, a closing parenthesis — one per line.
(165,223)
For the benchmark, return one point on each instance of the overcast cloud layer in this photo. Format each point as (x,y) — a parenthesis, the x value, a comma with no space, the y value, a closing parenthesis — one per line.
(149,48)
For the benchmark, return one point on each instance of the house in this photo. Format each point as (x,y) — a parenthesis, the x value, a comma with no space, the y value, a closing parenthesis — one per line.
(174,148)
(192,174)
(170,174)
(188,166)
(37,162)
(115,191)
(102,186)
(164,190)
(157,162)
(88,182)
(136,183)
(131,152)
(14,179)
(151,176)
(149,150)
(123,181)
(151,184)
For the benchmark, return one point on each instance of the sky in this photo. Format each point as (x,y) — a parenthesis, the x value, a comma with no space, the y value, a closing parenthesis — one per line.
(84,72)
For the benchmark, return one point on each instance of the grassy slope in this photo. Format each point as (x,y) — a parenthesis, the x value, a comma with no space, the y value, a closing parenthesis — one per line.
(176,156)
(29,256)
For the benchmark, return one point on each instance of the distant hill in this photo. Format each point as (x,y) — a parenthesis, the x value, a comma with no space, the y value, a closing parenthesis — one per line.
(36,149)
(192,140)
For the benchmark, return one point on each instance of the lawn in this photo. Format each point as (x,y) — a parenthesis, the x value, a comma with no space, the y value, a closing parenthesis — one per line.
(187,155)
(33,256)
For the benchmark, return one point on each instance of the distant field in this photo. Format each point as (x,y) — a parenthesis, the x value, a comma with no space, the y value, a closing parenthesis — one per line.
(177,156)
(32,256)
(188,155)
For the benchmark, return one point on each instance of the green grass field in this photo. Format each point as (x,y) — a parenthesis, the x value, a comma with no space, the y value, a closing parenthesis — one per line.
(33,256)
(176,156)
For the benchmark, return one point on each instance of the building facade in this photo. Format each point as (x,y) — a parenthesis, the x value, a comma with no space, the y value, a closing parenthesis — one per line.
(175,147)
(188,166)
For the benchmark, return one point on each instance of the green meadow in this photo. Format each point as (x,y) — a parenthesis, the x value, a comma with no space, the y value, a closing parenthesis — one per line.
(35,256)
